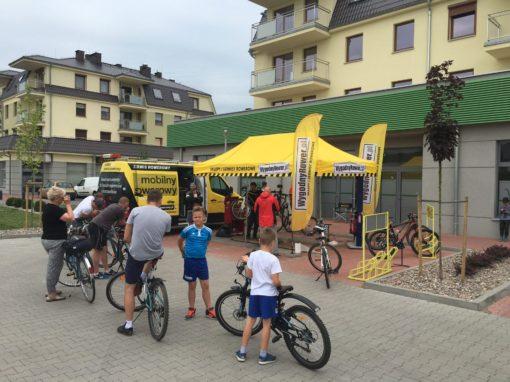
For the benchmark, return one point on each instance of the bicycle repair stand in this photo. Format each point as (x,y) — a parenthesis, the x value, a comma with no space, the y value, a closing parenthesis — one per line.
(400,246)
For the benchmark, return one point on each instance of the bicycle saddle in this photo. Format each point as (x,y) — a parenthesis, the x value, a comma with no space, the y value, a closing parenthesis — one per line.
(285,288)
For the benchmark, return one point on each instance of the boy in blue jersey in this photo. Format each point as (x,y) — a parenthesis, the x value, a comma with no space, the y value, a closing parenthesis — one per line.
(193,241)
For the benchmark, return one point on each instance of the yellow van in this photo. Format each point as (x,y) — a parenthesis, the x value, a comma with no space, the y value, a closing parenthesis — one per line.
(134,179)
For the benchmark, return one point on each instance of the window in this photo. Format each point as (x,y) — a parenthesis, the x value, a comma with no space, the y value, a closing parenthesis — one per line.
(104,86)
(15,109)
(2,174)
(81,110)
(106,136)
(176,97)
(284,19)
(503,172)
(105,113)
(283,66)
(157,93)
(462,20)
(354,48)
(80,134)
(159,141)
(464,73)
(309,98)
(14,131)
(400,84)
(218,185)
(203,157)
(283,102)
(195,103)
(177,118)
(310,61)
(158,119)
(127,139)
(352,91)
(80,82)
(311,12)
(404,36)
(6,111)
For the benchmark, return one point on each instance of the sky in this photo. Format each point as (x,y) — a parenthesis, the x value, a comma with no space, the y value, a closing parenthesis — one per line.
(199,43)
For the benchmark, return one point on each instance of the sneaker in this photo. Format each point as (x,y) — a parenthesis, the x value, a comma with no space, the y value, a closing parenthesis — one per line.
(210,313)
(241,357)
(111,272)
(269,358)
(123,330)
(190,314)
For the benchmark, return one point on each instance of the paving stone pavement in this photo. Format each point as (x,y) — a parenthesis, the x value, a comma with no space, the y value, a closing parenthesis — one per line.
(375,336)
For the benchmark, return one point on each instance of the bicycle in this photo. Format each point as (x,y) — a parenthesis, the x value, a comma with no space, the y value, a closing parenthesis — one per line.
(76,271)
(240,207)
(294,324)
(407,230)
(117,249)
(153,297)
(324,257)
(284,217)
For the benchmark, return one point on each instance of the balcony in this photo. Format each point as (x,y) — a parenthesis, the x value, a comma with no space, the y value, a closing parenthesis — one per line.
(23,117)
(296,28)
(131,101)
(498,34)
(290,79)
(132,127)
(32,83)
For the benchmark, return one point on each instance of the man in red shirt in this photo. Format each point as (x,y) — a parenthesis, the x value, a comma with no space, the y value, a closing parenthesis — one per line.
(264,207)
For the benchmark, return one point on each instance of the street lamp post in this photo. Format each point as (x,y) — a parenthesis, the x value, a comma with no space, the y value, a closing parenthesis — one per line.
(225,134)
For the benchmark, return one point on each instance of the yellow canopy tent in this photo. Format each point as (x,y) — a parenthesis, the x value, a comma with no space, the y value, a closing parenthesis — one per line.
(273,155)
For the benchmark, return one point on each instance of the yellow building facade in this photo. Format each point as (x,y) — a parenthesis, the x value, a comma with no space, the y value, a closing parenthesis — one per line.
(91,108)
(306,50)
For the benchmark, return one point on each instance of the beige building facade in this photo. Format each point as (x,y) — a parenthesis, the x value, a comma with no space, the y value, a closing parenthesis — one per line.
(91,108)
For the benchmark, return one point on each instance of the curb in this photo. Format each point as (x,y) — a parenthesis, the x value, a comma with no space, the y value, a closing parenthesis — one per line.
(480,303)
(23,236)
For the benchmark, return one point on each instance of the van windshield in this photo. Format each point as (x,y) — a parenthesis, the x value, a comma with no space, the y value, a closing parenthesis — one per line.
(82,182)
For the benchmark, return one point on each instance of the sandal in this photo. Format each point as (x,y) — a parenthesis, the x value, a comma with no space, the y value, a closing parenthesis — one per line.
(58,298)
(59,292)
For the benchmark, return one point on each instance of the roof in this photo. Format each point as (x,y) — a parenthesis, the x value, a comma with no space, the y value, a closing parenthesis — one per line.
(486,100)
(8,73)
(78,93)
(91,147)
(352,11)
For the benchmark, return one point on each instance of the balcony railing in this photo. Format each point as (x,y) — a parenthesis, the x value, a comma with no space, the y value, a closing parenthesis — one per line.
(133,126)
(312,15)
(132,99)
(498,28)
(23,116)
(301,71)
(32,83)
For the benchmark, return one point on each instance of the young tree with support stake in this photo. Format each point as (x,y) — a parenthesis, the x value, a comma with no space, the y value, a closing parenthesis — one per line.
(441,130)
(29,144)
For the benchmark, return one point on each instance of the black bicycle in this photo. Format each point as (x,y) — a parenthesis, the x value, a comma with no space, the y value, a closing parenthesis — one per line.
(77,268)
(117,249)
(152,296)
(323,256)
(303,331)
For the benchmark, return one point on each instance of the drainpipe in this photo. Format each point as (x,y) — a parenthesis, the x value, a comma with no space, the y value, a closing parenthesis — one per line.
(456,191)
(10,174)
(51,106)
(429,33)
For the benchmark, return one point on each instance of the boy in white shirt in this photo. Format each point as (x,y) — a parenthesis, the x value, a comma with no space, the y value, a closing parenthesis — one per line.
(264,270)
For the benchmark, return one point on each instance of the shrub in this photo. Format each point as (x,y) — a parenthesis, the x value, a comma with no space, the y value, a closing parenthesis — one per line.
(18,202)
(10,201)
(38,208)
(482,259)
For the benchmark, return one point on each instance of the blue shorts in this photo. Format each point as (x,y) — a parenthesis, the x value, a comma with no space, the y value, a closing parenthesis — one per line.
(263,306)
(195,269)
(133,270)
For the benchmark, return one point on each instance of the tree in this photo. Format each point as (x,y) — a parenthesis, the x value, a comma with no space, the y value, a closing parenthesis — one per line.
(29,144)
(441,130)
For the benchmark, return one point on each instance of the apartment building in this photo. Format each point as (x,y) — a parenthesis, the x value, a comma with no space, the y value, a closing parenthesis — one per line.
(363,62)
(91,108)
(316,49)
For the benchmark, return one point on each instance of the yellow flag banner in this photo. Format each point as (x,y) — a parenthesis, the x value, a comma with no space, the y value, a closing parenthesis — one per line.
(303,171)
(372,149)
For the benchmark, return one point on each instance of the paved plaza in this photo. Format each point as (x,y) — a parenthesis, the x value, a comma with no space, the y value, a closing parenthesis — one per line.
(375,336)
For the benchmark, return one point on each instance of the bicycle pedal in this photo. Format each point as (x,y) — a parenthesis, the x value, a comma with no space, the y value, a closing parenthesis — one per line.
(276,338)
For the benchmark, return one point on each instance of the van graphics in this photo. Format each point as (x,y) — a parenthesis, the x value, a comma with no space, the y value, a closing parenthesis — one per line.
(114,185)
(369,153)
(274,168)
(150,167)
(166,183)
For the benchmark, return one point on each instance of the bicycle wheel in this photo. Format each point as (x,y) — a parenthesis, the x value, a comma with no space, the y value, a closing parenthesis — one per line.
(310,227)
(111,253)
(240,210)
(87,282)
(68,275)
(315,258)
(281,219)
(426,238)
(376,242)
(307,338)
(115,293)
(159,310)
(231,313)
